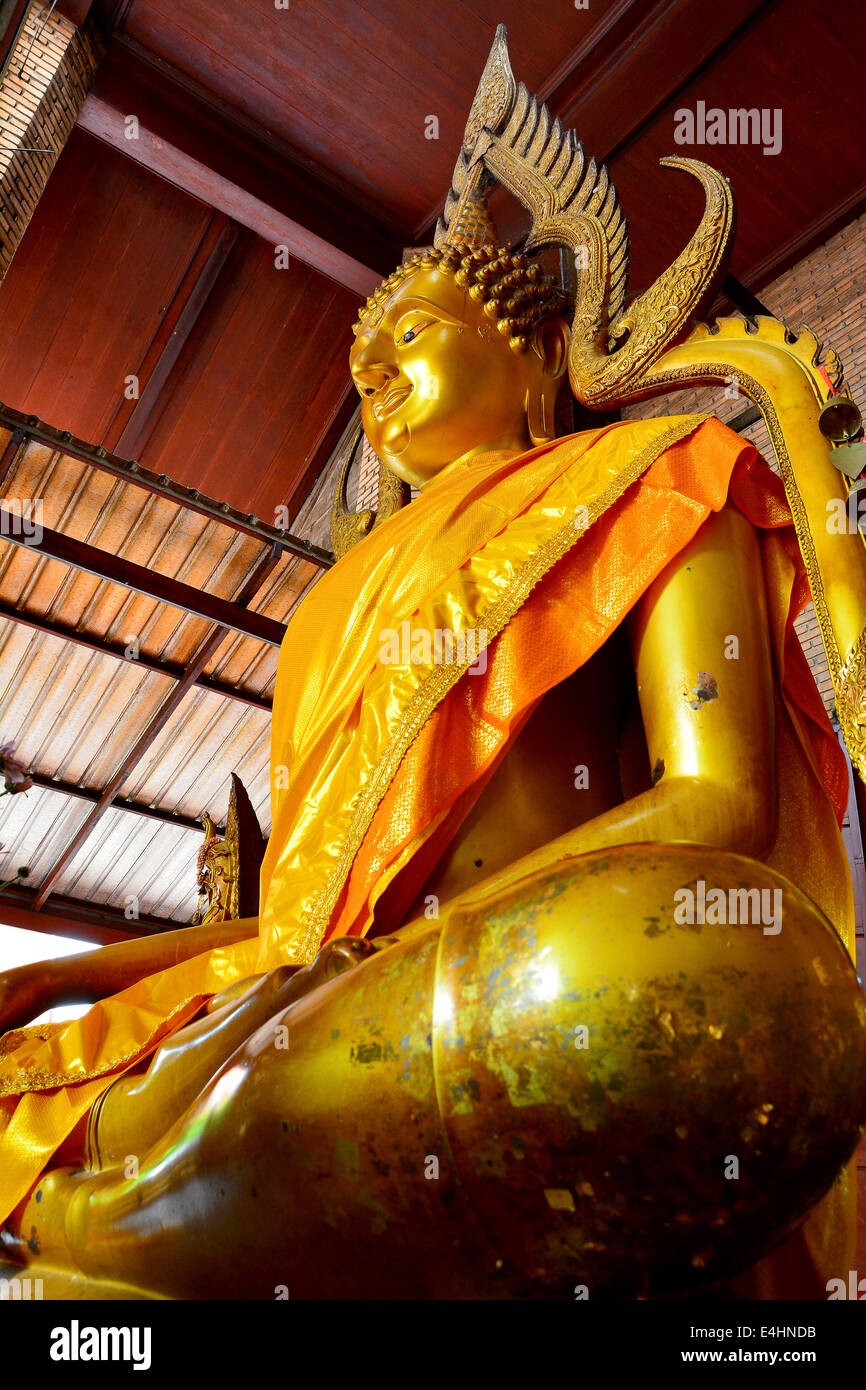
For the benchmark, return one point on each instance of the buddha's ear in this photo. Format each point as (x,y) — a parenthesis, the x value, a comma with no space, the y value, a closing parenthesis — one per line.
(550,343)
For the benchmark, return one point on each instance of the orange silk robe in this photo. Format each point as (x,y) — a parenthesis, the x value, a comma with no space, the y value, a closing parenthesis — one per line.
(542,555)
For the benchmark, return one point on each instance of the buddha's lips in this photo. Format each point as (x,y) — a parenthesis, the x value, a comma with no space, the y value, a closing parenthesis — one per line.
(390,401)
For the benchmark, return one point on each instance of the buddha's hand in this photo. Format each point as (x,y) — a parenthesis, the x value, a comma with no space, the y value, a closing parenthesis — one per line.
(337,956)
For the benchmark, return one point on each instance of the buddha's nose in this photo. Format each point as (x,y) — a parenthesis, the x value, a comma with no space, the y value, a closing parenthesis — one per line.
(370,376)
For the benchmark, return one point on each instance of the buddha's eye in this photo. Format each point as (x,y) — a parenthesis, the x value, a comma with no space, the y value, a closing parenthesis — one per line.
(410,332)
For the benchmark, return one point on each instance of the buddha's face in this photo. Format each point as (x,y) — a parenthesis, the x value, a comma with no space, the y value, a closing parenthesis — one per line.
(438,382)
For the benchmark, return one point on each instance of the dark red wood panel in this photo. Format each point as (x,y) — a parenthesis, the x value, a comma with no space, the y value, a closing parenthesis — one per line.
(89,284)
(179,110)
(255,385)
(350,84)
(784,56)
(242,410)
(793,57)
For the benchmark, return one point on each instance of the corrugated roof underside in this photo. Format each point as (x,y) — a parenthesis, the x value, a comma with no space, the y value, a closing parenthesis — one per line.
(75,714)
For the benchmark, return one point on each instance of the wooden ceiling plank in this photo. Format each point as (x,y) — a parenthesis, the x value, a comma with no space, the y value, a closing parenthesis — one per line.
(178,108)
(259,377)
(133,425)
(284,407)
(75,10)
(329,437)
(601,88)
(606,95)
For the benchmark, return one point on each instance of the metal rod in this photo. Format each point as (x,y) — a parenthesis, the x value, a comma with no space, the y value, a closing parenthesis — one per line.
(743,299)
(130,471)
(136,808)
(45,19)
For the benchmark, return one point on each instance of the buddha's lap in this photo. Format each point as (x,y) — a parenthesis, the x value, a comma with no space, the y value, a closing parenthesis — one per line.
(579,1070)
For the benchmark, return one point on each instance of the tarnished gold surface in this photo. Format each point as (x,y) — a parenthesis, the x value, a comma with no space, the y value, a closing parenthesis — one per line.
(540,1092)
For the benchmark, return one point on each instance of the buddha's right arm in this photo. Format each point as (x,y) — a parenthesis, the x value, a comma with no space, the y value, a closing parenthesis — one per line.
(29,990)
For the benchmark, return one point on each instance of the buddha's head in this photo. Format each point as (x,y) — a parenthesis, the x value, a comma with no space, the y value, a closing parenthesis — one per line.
(457,352)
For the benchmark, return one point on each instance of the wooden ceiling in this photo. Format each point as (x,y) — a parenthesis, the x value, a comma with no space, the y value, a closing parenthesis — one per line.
(153,257)
(350,85)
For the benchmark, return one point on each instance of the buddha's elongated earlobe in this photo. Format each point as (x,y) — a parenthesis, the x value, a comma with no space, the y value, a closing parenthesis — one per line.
(538,409)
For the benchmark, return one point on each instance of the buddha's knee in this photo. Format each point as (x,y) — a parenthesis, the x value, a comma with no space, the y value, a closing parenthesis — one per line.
(587,1081)
(640,1069)
(652,1063)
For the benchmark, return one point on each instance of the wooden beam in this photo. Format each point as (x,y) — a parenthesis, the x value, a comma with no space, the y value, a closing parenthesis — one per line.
(205,651)
(143,581)
(82,921)
(183,112)
(74,10)
(135,808)
(172,669)
(603,89)
(169,162)
(135,420)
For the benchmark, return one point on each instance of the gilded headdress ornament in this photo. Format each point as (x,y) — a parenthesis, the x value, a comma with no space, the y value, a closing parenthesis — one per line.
(511,138)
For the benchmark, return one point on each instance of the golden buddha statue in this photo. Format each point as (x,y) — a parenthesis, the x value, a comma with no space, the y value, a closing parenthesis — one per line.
(549,993)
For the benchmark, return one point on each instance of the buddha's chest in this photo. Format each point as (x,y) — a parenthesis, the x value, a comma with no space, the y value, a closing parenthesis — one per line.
(563,768)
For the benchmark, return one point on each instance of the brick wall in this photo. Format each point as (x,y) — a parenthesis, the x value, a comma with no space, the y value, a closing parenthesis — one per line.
(367,491)
(41,92)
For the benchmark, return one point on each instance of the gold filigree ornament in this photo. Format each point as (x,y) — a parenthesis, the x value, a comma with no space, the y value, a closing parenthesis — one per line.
(850,689)
(216,875)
